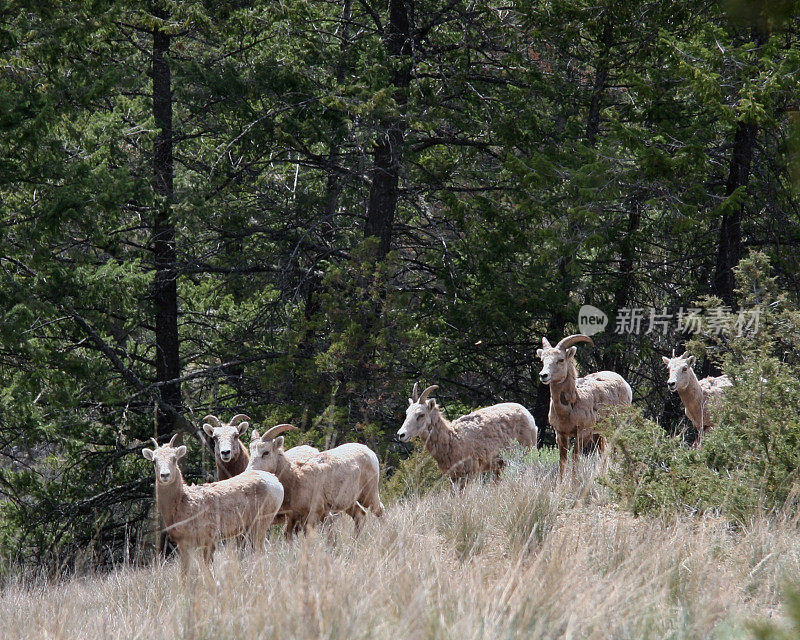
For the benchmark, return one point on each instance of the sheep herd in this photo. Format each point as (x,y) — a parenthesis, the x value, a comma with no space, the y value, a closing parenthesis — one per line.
(302,486)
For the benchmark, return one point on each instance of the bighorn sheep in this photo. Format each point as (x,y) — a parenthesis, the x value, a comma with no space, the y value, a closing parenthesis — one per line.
(697,395)
(229,451)
(472,443)
(197,517)
(344,478)
(577,404)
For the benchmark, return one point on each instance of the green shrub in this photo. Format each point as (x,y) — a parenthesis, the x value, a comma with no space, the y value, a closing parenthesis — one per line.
(654,472)
(768,630)
(415,476)
(750,460)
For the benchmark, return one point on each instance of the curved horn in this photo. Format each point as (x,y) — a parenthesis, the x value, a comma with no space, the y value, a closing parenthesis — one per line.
(546,343)
(155,442)
(685,355)
(212,420)
(239,417)
(275,431)
(425,393)
(415,392)
(567,342)
(174,438)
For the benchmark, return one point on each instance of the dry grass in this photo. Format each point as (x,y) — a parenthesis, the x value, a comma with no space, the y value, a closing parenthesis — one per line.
(525,558)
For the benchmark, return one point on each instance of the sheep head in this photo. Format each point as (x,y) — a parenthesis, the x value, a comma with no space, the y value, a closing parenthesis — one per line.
(557,360)
(419,415)
(679,371)
(225,436)
(165,459)
(267,449)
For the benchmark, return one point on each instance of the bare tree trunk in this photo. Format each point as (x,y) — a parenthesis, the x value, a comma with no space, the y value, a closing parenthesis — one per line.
(599,86)
(388,152)
(334,185)
(165,293)
(613,357)
(729,246)
(555,331)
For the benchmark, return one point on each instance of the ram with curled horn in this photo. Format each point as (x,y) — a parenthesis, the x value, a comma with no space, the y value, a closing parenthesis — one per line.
(471,444)
(578,404)
(229,451)
(316,483)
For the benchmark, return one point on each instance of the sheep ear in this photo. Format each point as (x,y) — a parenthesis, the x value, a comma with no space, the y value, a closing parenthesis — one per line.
(148,453)
(431,403)
(571,352)
(279,442)
(255,435)
(243,426)
(539,353)
(410,402)
(209,430)
(180,452)
(665,359)
(690,361)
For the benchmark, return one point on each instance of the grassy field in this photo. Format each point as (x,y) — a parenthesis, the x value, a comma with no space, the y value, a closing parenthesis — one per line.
(527,557)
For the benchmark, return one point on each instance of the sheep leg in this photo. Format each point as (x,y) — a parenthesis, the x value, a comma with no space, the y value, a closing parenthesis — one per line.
(370,497)
(457,485)
(497,468)
(599,442)
(186,553)
(313,519)
(600,445)
(357,513)
(580,443)
(208,553)
(562,441)
(257,536)
(292,527)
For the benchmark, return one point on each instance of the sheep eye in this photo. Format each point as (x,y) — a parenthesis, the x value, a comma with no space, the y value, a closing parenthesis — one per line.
(685,367)
(265,454)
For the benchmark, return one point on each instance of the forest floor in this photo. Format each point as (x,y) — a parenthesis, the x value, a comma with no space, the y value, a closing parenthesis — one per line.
(527,557)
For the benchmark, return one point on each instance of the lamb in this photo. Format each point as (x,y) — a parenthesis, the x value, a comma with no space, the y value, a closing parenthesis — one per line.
(197,517)
(578,404)
(470,444)
(229,451)
(697,395)
(344,478)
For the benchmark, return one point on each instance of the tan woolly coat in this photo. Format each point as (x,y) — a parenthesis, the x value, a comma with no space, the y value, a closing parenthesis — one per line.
(699,396)
(577,404)
(472,443)
(341,479)
(197,516)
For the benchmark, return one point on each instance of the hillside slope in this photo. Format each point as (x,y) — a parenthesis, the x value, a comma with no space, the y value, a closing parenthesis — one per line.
(523,558)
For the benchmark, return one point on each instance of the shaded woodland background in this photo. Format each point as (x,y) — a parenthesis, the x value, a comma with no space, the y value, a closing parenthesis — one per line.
(295,210)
